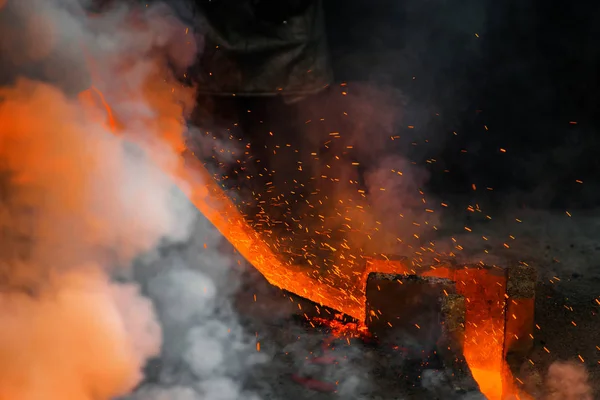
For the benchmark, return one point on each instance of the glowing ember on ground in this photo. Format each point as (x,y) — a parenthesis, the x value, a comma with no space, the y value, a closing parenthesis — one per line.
(341,329)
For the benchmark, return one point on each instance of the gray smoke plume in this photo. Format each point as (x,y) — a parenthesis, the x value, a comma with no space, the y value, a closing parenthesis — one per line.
(206,353)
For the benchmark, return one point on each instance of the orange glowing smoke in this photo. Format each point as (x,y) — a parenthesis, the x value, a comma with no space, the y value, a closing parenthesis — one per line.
(67,331)
(52,349)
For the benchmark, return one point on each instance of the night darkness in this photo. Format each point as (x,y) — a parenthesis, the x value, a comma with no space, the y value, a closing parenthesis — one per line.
(529,76)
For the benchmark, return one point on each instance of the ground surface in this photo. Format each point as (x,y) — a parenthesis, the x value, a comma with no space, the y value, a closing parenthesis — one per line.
(566,253)
(359,369)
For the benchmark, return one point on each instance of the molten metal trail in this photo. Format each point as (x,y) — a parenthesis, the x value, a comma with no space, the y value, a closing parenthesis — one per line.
(215,205)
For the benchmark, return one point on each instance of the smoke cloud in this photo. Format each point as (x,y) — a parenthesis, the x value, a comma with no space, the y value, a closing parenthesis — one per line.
(567,381)
(92,113)
(75,205)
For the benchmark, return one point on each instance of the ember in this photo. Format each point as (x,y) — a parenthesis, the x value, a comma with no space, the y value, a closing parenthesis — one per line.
(342,329)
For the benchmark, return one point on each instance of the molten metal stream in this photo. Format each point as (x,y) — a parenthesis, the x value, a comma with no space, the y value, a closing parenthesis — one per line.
(213,202)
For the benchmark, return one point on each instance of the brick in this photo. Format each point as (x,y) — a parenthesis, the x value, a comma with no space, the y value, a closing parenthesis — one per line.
(521,281)
(396,303)
(520,316)
(498,315)
(400,306)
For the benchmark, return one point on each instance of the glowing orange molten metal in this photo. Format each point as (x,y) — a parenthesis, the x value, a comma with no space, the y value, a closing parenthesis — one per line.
(485,313)
(215,205)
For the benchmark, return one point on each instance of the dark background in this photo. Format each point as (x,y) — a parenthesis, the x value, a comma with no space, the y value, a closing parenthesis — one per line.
(530,74)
